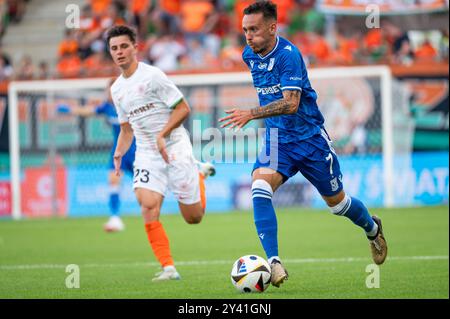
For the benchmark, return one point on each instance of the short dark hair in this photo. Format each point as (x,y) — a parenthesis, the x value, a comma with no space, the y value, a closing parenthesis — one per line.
(119,30)
(267,8)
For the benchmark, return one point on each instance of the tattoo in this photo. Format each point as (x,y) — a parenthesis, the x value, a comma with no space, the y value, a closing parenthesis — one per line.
(287,105)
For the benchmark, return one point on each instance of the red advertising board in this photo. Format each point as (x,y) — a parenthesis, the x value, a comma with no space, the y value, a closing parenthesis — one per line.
(37,192)
(5,199)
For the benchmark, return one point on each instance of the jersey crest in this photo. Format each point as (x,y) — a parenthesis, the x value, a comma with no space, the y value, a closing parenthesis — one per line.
(271,63)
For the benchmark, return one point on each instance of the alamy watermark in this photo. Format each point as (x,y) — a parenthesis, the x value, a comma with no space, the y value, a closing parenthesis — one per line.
(73,279)
(73,17)
(373,279)
(373,17)
(231,146)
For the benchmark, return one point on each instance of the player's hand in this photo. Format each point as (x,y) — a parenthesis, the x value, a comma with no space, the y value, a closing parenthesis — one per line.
(237,118)
(63,109)
(117,162)
(161,144)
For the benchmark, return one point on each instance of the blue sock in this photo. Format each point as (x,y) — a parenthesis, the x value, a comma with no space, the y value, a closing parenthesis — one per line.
(265,218)
(355,210)
(114,203)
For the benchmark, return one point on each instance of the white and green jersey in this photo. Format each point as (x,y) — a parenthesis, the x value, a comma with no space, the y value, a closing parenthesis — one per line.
(146,100)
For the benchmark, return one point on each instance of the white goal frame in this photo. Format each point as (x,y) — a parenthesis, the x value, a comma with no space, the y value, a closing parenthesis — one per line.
(381,72)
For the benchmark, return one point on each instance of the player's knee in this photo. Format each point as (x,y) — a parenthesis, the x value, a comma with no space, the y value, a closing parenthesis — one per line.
(340,205)
(194,218)
(335,199)
(149,208)
(193,215)
(150,213)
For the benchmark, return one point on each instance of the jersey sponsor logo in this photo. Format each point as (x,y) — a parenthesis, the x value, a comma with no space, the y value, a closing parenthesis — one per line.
(140,110)
(271,63)
(141,89)
(269,90)
(295,78)
(262,66)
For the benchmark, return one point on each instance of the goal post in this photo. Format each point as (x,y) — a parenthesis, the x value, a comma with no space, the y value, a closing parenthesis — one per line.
(208,95)
(42,87)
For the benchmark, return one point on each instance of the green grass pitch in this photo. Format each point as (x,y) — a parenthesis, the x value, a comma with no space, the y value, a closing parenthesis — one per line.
(326,256)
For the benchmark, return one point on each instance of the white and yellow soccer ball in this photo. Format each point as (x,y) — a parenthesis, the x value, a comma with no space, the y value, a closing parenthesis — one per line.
(251,273)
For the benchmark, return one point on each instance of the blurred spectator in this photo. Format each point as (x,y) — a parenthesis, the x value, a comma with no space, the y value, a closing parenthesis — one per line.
(197,19)
(374,45)
(6,70)
(26,69)
(139,10)
(284,7)
(231,53)
(16,10)
(69,44)
(98,64)
(4,17)
(5,56)
(43,71)
(165,53)
(167,16)
(301,40)
(444,45)
(223,26)
(69,66)
(239,7)
(400,45)
(88,32)
(92,65)
(310,20)
(347,51)
(426,52)
(112,17)
(99,6)
(198,57)
(220,27)
(402,50)
(87,21)
(320,50)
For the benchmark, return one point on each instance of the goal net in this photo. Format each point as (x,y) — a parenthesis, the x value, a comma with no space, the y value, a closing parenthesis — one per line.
(59,164)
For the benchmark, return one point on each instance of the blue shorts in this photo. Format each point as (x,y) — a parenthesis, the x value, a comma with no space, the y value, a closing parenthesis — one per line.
(314,157)
(127,160)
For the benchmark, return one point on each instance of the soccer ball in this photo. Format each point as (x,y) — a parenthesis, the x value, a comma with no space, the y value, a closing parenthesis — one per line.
(251,273)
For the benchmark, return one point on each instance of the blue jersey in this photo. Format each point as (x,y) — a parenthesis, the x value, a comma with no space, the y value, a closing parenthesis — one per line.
(284,69)
(108,110)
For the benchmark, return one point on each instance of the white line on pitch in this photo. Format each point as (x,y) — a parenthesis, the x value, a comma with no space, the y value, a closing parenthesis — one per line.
(218,262)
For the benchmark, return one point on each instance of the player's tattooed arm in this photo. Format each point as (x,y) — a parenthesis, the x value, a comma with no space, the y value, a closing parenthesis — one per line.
(287,105)
(239,118)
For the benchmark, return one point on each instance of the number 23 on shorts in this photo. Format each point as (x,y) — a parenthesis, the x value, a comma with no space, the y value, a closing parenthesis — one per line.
(141,175)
